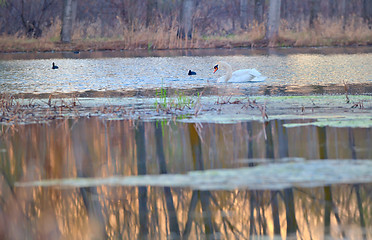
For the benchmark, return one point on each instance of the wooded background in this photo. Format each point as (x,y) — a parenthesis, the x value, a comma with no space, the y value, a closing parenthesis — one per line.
(206,17)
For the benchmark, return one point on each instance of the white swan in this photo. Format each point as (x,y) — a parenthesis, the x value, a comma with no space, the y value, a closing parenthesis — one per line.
(242,75)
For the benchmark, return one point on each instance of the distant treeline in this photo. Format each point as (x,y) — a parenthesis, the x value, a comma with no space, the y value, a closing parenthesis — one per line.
(206,17)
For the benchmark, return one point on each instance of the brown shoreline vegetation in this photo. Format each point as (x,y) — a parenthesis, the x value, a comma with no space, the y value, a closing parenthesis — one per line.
(325,32)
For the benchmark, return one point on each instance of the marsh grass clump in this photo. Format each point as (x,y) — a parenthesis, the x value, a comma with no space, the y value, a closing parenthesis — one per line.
(13,111)
(170,104)
(64,103)
(21,111)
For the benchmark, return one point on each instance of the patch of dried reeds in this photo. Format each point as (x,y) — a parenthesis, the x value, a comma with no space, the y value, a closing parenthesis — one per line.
(20,111)
(121,35)
(327,32)
(250,37)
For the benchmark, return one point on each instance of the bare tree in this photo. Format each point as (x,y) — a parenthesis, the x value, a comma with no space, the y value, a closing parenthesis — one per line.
(243,13)
(284,9)
(67,20)
(259,6)
(344,13)
(30,16)
(332,8)
(206,17)
(151,6)
(272,27)
(367,11)
(186,19)
(314,10)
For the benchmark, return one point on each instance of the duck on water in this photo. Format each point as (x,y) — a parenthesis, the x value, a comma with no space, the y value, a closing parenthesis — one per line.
(54,66)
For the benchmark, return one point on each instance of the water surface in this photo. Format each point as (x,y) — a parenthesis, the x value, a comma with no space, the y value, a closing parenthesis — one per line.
(96,139)
(96,148)
(79,72)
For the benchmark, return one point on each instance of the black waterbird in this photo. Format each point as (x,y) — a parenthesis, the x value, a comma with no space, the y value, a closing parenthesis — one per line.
(54,66)
(191,73)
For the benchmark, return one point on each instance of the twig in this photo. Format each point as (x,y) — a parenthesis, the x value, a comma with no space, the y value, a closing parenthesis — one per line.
(346,87)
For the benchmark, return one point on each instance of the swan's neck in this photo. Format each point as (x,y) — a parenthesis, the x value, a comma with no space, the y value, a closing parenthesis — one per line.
(228,69)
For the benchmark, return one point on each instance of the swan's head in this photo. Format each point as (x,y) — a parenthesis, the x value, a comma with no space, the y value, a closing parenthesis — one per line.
(215,68)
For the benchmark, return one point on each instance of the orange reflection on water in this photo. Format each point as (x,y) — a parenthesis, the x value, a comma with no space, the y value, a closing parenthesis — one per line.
(98,148)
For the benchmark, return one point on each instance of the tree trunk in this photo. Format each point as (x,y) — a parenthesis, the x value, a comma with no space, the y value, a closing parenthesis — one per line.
(332,8)
(186,19)
(74,11)
(344,13)
(367,11)
(151,6)
(284,9)
(259,6)
(67,20)
(272,26)
(314,10)
(243,14)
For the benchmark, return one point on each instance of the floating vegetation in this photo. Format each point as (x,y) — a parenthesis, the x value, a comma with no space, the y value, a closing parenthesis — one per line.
(313,173)
(356,122)
(171,104)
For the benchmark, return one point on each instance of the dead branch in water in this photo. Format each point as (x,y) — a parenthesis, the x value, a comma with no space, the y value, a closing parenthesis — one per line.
(358,104)
(346,87)
(261,107)
(227,101)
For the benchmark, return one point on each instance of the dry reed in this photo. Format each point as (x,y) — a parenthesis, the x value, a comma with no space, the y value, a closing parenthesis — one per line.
(327,32)
(20,111)
(120,35)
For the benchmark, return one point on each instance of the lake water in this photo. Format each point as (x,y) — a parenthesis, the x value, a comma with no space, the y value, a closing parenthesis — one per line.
(66,149)
(286,71)
(93,174)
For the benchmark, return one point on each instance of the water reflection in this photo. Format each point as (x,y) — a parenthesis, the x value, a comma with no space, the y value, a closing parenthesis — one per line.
(98,148)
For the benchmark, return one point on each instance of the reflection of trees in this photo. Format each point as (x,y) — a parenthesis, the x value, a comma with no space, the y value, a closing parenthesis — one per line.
(142,191)
(172,214)
(203,196)
(274,201)
(93,148)
(89,195)
(357,186)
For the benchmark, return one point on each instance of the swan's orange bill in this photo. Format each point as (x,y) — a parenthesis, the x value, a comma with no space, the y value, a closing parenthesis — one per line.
(215,68)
